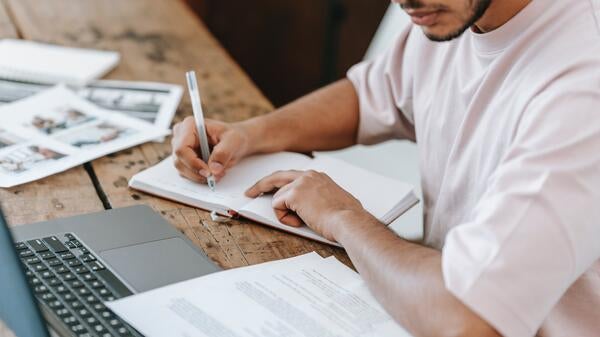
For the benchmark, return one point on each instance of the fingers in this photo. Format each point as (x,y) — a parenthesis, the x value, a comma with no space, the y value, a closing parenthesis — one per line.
(188,173)
(272,182)
(283,206)
(185,142)
(220,156)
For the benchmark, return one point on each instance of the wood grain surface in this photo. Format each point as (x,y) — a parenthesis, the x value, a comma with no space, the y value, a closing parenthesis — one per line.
(158,41)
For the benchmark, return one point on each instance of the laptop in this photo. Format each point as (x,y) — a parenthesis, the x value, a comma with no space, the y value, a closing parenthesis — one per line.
(64,270)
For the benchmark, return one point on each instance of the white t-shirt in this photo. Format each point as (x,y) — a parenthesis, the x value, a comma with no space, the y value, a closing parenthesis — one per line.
(508,129)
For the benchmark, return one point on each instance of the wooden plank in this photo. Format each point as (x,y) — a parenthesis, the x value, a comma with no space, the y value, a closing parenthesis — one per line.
(160,40)
(65,194)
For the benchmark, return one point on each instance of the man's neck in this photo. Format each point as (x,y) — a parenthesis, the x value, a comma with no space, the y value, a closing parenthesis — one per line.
(499,13)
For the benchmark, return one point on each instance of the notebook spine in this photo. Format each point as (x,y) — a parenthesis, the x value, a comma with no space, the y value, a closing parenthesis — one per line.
(35,78)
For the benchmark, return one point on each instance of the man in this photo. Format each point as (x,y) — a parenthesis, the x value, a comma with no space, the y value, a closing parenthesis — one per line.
(503,100)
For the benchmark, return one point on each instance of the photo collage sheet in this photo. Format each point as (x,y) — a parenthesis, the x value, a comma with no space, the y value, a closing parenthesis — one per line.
(57,129)
(152,102)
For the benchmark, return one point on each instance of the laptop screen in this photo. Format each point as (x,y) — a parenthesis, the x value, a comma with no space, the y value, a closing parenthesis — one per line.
(18,309)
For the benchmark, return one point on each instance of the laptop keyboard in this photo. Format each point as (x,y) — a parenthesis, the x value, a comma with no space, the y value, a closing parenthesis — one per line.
(70,281)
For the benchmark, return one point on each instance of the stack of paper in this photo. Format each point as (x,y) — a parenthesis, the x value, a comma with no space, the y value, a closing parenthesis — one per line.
(47,127)
(301,296)
(56,130)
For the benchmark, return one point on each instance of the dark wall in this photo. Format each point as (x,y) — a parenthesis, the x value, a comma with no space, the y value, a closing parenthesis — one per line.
(290,48)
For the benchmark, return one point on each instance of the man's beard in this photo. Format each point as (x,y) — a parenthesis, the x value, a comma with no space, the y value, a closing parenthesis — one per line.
(480,8)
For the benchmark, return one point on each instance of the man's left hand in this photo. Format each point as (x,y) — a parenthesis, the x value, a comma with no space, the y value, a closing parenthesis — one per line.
(307,197)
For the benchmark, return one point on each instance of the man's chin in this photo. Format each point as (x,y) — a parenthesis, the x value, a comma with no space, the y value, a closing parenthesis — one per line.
(443,35)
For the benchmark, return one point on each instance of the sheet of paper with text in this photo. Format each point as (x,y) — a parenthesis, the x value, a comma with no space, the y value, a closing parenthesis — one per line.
(301,296)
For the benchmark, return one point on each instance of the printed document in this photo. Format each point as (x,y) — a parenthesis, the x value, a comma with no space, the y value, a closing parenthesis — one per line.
(303,296)
(56,130)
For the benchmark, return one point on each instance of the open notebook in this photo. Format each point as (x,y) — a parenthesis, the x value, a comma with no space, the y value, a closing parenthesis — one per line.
(45,63)
(383,197)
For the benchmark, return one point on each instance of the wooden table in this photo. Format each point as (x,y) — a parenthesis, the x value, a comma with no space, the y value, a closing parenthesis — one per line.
(158,41)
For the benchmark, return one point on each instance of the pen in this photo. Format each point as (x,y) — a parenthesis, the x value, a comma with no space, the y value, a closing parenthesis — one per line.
(199,118)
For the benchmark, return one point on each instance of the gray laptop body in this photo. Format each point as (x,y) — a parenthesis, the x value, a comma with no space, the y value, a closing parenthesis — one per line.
(135,243)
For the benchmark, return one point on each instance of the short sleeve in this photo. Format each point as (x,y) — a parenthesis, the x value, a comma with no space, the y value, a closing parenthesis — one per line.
(537,227)
(384,93)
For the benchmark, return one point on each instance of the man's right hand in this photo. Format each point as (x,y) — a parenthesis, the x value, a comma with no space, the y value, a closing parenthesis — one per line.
(229,144)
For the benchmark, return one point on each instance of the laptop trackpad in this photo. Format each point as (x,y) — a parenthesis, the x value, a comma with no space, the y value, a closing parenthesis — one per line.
(158,263)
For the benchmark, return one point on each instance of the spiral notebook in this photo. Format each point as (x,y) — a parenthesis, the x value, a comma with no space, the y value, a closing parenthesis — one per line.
(383,197)
(45,63)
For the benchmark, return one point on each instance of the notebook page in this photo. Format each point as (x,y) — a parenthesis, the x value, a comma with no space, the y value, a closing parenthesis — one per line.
(378,194)
(164,179)
(27,60)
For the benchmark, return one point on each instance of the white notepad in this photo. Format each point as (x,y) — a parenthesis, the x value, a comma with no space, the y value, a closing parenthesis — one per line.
(383,197)
(46,63)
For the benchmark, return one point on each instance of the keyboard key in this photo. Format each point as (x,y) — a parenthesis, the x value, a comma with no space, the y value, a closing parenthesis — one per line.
(41,289)
(89,277)
(61,269)
(106,314)
(37,245)
(84,313)
(87,258)
(69,236)
(47,274)
(96,284)
(54,262)
(69,296)
(99,328)
(73,263)
(70,320)
(104,292)
(35,281)
(95,266)
(81,270)
(66,256)
(70,245)
(69,277)
(47,255)
(32,260)
(84,250)
(20,246)
(75,305)
(78,328)
(75,284)
(56,305)
(92,299)
(39,267)
(48,297)
(91,320)
(83,291)
(53,282)
(76,243)
(25,253)
(62,290)
(55,245)
(62,312)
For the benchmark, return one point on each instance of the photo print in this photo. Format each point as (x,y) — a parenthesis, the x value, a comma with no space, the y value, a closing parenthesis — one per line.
(7,139)
(142,103)
(61,119)
(96,134)
(27,158)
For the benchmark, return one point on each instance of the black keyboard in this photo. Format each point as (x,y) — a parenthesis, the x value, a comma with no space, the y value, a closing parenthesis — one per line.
(71,285)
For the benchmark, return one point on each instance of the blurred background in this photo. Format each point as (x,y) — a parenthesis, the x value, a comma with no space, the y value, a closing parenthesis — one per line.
(290,48)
